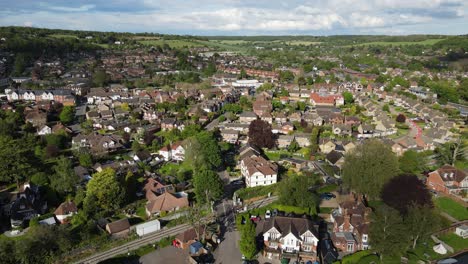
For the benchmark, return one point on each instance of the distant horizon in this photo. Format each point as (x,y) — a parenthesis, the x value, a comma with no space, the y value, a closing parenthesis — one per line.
(191,35)
(244,18)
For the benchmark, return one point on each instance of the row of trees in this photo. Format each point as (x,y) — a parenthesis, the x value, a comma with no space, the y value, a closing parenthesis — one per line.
(407,215)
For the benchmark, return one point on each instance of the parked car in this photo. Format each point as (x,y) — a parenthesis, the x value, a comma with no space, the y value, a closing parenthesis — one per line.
(327,196)
(275,212)
(255,218)
(267,214)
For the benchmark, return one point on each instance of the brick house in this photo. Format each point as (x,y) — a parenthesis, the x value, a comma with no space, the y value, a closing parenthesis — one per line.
(447,179)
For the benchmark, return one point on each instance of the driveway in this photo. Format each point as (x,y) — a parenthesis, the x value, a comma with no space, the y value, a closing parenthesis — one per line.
(168,254)
(228,250)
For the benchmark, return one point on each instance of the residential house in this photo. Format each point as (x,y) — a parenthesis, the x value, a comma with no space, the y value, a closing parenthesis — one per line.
(247,117)
(261,107)
(171,123)
(153,188)
(447,179)
(313,118)
(290,237)
(186,238)
(37,118)
(326,146)
(287,128)
(28,204)
(98,144)
(284,141)
(166,202)
(302,139)
(342,130)
(258,171)
(365,131)
(173,152)
(44,130)
(230,135)
(65,210)
(119,228)
(335,158)
(351,226)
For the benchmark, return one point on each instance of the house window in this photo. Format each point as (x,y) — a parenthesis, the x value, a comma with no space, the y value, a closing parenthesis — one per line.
(350,247)
(364,238)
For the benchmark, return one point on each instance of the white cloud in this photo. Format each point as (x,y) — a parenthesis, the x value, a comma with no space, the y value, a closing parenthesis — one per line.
(242,17)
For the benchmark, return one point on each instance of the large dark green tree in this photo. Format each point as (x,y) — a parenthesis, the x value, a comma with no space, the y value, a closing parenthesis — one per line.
(208,186)
(64,179)
(294,191)
(16,160)
(247,242)
(369,167)
(104,191)
(388,233)
(67,114)
(202,151)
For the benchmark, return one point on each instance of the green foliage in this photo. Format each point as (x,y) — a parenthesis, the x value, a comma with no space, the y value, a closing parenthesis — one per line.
(369,167)
(294,146)
(348,97)
(40,179)
(202,151)
(208,186)
(17,160)
(247,243)
(67,115)
(388,233)
(413,162)
(294,190)
(104,191)
(100,78)
(286,76)
(233,108)
(85,159)
(64,179)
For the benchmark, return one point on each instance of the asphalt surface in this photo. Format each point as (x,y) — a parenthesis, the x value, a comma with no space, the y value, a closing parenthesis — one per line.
(226,215)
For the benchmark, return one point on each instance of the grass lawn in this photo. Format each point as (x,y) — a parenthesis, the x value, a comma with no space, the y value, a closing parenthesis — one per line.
(277,155)
(455,241)
(172,43)
(452,208)
(326,210)
(302,42)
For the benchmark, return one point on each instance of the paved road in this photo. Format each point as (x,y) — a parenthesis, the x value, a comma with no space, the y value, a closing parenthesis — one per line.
(228,217)
(228,250)
(135,244)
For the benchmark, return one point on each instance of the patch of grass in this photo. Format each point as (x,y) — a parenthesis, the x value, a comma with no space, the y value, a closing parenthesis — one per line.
(355,258)
(452,208)
(455,241)
(277,154)
(326,210)
(428,42)
(172,43)
(327,188)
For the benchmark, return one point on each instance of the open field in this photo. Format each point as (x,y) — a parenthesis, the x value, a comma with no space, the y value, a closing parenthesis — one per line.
(400,43)
(452,208)
(172,43)
(302,42)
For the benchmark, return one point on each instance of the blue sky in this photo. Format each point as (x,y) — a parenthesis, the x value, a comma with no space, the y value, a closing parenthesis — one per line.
(242,17)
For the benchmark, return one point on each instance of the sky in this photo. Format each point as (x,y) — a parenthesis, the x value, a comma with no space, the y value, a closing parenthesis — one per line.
(243,17)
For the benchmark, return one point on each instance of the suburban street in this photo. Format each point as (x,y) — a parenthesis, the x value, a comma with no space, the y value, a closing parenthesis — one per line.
(224,210)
